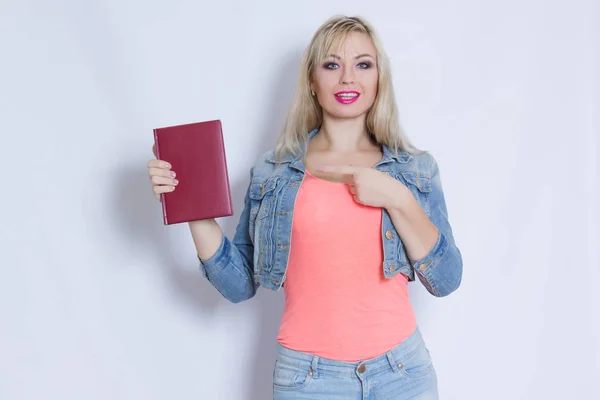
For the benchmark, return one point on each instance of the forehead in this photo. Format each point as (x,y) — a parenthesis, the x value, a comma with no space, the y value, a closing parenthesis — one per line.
(350,45)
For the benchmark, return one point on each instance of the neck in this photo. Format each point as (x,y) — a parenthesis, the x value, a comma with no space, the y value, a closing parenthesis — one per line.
(343,135)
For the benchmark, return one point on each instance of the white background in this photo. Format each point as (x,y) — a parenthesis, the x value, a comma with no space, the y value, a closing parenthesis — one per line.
(99,300)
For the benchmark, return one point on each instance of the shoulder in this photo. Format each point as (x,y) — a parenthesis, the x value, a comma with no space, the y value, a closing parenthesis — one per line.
(423,163)
(427,163)
(264,165)
(265,158)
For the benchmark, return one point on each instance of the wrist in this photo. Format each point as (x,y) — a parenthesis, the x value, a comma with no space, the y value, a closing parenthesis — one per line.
(400,199)
(202,224)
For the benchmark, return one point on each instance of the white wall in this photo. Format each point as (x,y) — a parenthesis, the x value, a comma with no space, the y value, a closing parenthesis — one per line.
(99,300)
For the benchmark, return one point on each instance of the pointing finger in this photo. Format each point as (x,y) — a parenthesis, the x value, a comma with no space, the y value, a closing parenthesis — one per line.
(340,169)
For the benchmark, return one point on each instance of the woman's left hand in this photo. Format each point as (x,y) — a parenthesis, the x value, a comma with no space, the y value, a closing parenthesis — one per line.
(371,187)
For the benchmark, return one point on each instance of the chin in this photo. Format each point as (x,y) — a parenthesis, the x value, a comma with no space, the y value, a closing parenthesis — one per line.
(345,112)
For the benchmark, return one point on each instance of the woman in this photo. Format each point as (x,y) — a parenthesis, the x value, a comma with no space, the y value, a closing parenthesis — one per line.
(342,215)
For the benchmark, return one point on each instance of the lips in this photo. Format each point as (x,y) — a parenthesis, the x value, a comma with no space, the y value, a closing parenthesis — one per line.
(347,96)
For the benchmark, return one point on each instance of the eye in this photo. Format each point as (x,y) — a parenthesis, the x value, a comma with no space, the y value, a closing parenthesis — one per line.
(365,65)
(331,65)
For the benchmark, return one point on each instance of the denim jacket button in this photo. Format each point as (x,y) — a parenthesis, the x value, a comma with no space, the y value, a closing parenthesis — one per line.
(389,235)
(423,266)
(392,269)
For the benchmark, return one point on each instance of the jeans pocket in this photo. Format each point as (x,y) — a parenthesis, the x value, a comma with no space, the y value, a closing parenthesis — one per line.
(417,363)
(288,377)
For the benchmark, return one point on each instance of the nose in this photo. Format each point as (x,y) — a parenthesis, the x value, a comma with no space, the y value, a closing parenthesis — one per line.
(347,76)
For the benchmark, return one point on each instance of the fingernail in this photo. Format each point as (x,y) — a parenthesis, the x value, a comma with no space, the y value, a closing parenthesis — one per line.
(319,169)
(172,174)
(175,181)
(167,165)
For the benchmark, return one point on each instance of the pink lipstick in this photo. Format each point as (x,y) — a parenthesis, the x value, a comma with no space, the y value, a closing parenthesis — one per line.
(347,96)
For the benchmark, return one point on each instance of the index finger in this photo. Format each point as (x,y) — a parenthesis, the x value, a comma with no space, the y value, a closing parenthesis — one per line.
(338,169)
(159,164)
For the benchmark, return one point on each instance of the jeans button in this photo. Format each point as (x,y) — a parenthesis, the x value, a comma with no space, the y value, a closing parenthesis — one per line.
(362,368)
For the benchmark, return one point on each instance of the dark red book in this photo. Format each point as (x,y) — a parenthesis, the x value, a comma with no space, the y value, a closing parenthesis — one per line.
(196,153)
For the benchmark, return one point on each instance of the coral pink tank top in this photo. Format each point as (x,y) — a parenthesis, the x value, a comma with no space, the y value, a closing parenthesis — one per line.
(338,304)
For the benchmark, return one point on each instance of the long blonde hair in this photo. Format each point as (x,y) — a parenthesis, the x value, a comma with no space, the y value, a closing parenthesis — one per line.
(306,114)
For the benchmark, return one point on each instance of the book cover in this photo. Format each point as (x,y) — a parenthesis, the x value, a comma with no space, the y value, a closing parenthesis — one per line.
(196,152)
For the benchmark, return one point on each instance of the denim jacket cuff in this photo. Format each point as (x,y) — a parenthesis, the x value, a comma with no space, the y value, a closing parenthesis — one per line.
(427,264)
(218,260)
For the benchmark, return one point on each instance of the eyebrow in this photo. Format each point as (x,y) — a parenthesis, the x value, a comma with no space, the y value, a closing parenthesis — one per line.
(356,58)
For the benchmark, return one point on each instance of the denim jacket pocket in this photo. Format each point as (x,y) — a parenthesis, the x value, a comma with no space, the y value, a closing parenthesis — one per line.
(261,201)
(419,185)
(261,194)
(263,198)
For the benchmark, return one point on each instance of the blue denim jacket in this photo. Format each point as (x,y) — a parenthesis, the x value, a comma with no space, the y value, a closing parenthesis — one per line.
(259,252)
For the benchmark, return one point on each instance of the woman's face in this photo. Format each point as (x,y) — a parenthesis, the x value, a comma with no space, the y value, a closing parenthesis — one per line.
(345,84)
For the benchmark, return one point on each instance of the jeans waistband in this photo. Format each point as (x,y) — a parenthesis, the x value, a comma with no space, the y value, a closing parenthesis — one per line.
(317,364)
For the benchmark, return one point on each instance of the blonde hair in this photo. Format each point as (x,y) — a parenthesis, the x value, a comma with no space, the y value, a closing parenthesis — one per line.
(306,114)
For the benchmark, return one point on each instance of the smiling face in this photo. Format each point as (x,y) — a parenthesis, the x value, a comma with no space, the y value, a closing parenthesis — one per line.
(345,82)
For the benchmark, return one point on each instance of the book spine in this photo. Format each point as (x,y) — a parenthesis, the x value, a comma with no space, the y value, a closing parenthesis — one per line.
(163,198)
(225,168)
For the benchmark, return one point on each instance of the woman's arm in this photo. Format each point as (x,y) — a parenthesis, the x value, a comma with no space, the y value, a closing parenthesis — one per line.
(429,241)
(228,265)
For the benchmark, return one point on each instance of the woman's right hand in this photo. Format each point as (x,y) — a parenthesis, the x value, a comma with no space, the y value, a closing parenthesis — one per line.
(207,234)
(162,178)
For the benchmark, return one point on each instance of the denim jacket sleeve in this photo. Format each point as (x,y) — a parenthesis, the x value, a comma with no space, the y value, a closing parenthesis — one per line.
(231,269)
(440,270)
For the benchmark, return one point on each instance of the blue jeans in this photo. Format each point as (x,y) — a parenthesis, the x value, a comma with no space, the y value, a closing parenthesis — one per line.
(402,373)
